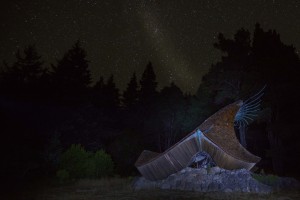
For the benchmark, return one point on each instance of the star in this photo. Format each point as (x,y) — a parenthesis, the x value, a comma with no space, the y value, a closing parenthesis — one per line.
(123,36)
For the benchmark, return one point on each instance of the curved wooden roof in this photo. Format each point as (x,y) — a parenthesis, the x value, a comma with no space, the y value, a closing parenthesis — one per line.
(218,139)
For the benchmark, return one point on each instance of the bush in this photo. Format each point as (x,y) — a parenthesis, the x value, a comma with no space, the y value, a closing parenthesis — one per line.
(266,179)
(62,175)
(104,164)
(74,161)
(80,163)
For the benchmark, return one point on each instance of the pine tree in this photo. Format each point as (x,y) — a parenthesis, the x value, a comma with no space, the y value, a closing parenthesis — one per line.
(98,93)
(247,66)
(30,66)
(148,84)
(106,95)
(148,109)
(99,84)
(111,93)
(25,74)
(71,74)
(171,115)
(130,95)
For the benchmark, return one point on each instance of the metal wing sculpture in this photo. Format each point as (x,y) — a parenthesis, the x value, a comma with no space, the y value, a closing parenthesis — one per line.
(215,136)
(249,110)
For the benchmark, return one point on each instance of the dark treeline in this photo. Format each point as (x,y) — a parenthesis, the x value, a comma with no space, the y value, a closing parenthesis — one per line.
(44,109)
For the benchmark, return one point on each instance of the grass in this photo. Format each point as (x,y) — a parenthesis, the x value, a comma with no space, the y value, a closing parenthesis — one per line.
(120,188)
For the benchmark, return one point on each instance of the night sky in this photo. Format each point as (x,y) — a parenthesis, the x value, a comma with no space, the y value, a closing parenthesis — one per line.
(121,37)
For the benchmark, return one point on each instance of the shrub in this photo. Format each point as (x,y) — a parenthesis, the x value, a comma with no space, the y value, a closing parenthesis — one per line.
(82,164)
(74,161)
(62,175)
(266,179)
(103,164)
(125,150)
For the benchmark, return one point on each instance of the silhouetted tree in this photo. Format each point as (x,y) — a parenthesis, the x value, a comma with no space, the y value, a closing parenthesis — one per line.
(225,79)
(148,109)
(148,84)
(98,92)
(23,78)
(130,95)
(279,66)
(196,110)
(105,110)
(111,94)
(106,95)
(171,115)
(71,75)
(247,66)
(99,84)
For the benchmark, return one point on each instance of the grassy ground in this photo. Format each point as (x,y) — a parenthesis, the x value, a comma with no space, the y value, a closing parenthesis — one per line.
(117,188)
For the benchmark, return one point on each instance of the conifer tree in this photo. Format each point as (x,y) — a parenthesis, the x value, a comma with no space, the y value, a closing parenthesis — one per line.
(24,75)
(130,95)
(106,95)
(148,84)
(71,74)
(111,93)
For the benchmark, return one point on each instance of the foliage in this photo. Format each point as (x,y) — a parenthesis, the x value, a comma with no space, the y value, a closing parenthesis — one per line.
(148,84)
(62,175)
(157,119)
(53,150)
(103,164)
(148,109)
(111,94)
(80,163)
(72,69)
(23,77)
(125,150)
(266,179)
(171,115)
(71,75)
(106,95)
(99,165)
(245,67)
(130,95)
(74,161)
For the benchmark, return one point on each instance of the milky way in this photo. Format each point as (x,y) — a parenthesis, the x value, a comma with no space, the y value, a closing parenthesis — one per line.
(121,37)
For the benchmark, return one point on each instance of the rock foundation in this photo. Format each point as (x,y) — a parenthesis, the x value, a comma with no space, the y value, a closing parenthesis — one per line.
(214,180)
